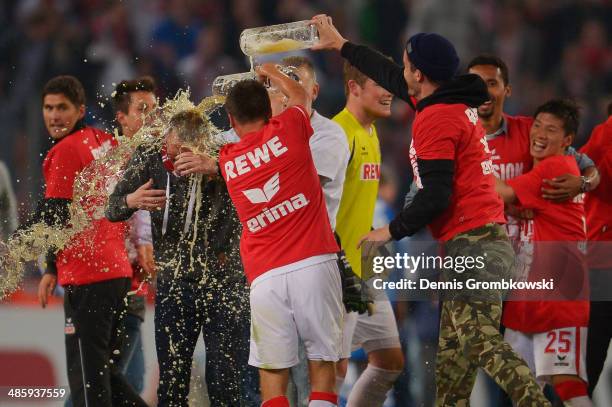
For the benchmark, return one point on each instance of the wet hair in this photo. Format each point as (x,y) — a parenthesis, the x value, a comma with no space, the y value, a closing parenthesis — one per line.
(66,85)
(248,102)
(189,125)
(299,61)
(489,59)
(351,73)
(565,110)
(123,92)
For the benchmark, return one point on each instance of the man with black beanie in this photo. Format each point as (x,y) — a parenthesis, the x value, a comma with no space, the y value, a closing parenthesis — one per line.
(457,200)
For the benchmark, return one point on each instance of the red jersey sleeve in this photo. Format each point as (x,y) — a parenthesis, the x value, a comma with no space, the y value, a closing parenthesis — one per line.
(296,119)
(528,187)
(438,141)
(60,169)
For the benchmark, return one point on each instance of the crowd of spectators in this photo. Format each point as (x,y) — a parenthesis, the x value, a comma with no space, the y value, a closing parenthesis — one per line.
(558,48)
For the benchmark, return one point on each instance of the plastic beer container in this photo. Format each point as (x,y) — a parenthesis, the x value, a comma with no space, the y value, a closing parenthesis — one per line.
(222,84)
(278,38)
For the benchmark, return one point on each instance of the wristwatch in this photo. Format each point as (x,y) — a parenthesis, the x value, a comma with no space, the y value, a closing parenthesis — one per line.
(586,184)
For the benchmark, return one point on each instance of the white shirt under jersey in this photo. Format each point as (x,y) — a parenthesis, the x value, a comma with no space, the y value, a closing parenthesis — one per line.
(330,153)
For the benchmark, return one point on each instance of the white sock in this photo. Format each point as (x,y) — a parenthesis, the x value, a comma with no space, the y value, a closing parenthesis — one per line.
(339,382)
(581,401)
(371,388)
(321,403)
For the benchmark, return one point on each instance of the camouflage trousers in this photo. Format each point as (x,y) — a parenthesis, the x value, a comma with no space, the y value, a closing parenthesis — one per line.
(469,328)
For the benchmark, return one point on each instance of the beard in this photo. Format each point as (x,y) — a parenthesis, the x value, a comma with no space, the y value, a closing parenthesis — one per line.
(486,114)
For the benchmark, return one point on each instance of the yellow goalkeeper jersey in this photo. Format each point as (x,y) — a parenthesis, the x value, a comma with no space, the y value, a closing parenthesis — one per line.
(356,210)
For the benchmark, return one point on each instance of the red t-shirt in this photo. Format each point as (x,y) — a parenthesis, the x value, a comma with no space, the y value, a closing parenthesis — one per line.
(510,157)
(98,253)
(598,203)
(453,132)
(273,183)
(556,224)
(510,150)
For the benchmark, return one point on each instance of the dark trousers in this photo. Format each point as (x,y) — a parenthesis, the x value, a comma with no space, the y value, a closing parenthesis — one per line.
(600,326)
(93,314)
(183,309)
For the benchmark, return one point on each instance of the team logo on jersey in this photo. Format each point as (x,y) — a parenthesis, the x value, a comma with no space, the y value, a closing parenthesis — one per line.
(370,172)
(69,327)
(269,216)
(472,115)
(487,164)
(104,148)
(415,166)
(265,194)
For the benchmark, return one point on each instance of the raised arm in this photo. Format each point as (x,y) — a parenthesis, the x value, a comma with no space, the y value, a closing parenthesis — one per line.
(372,63)
(294,91)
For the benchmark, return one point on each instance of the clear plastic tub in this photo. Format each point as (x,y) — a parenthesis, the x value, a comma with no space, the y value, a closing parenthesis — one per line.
(278,38)
(290,71)
(222,84)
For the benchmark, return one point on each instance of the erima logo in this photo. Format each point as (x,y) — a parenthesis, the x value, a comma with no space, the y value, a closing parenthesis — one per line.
(265,194)
(269,216)
(561,358)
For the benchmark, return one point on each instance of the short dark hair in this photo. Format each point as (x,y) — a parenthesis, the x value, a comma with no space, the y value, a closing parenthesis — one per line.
(123,91)
(350,73)
(248,101)
(299,61)
(610,109)
(66,85)
(489,59)
(565,110)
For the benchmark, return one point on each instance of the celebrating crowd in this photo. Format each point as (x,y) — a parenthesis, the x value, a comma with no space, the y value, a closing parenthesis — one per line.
(259,247)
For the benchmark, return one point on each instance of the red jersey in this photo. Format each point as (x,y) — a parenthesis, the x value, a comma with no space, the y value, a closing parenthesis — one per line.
(510,147)
(273,183)
(98,253)
(598,203)
(558,223)
(510,157)
(453,132)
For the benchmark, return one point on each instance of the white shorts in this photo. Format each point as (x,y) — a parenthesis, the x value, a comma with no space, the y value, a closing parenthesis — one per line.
(371,333)
(556,352)
(305,304)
